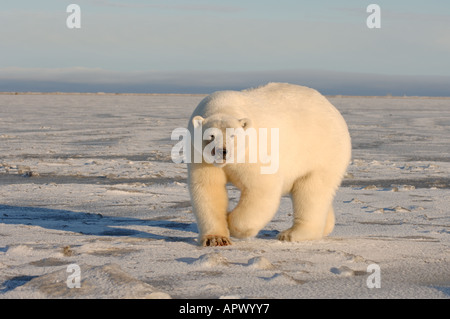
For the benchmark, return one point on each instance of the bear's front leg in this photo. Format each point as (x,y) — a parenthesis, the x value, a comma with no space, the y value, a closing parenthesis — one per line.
(207,187)
(255,209)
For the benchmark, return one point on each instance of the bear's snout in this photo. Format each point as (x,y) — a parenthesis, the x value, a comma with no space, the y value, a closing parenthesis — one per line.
(222,152)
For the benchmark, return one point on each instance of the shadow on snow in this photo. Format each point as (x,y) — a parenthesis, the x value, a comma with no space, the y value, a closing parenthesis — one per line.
(95,224)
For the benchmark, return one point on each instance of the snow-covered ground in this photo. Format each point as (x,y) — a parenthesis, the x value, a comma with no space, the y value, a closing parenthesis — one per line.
(88,180)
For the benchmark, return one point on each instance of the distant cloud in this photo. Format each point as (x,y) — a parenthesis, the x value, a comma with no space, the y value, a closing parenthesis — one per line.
(80,79)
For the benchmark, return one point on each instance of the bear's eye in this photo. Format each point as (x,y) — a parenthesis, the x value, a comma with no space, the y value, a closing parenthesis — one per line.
(211,137)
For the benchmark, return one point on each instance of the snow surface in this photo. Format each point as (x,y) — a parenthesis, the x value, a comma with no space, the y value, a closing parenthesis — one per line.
(88,180)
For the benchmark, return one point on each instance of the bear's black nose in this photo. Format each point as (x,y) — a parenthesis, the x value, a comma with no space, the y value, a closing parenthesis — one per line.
(222,152)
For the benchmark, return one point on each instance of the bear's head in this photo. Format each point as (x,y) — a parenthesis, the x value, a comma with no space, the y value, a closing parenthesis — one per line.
(221,138)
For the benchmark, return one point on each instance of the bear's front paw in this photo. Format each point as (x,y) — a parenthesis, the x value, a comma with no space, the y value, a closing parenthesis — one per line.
(213,240)
(299,234)
(240,229)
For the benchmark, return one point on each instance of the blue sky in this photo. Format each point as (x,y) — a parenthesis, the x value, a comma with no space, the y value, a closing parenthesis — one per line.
(203,45)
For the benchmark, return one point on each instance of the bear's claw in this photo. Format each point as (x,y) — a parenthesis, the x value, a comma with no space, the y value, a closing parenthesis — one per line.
(213,240)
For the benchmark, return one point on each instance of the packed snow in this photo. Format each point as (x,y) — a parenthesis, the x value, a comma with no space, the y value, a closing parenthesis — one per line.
(88,180)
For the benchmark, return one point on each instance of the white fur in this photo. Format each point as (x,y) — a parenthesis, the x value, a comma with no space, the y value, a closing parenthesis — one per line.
(314,151)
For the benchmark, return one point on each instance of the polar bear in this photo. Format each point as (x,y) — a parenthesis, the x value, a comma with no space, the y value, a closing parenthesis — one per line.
(313,149)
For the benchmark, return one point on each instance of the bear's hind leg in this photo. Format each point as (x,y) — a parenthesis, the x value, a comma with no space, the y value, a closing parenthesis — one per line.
(313,218)
(329,224)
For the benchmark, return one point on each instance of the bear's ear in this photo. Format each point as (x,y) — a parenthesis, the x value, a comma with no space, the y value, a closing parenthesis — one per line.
(197,121)
(245,123)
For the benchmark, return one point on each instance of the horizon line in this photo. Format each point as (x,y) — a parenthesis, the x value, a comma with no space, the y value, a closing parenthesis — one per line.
(386,96)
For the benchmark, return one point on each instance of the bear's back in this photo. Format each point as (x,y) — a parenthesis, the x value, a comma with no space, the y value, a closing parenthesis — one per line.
(268,99)
(271,105)
(280,90)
